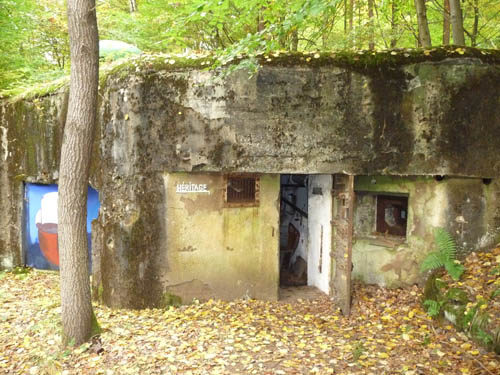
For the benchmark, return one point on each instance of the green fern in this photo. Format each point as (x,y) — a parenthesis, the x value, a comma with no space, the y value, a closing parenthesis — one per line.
(445,256)
(433,307)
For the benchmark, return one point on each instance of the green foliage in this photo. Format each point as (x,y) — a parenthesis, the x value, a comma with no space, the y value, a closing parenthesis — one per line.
(96,328)
(21,270)
(495,293)
(170,299)
(34,38)
(495,340)
(433,307)
(496,270)
(358,350)
(444,256)
(33,42)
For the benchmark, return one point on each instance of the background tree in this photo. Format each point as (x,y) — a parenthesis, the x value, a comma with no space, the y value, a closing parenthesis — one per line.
(457,25)
(446,22)
(32,32)
(424,36)
(76,308)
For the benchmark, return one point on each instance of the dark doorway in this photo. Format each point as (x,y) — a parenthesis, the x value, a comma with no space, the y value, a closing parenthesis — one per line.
(293,229)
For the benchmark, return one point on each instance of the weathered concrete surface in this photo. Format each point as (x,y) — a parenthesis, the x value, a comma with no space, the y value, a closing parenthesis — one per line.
(217,251)
(468,209)
(30,134)
(405,118)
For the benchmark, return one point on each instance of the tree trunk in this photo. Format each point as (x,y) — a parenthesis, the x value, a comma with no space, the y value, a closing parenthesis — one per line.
(424,36)
(475,26)
(346,16)
(446,22)
(457,25)
(351,14)
(351,40)
(294,45)
(132,5)
(76,308)
(371,43)
(394,23)
(348,20)
(261,22)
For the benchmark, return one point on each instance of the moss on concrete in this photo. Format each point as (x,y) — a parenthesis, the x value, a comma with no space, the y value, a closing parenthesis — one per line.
(363,60)
(169,299)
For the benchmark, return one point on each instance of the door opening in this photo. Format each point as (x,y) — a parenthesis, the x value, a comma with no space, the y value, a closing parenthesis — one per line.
(305,231)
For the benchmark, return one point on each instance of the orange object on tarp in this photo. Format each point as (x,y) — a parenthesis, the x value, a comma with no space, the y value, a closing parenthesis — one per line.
(47,236)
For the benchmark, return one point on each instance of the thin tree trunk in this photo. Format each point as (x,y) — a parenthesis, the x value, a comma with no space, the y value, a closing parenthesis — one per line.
(475,26)
(446,22)
(351,41)
(76,308)
(457,25)
(394,23)
(371,43)
(348,20)
(132,5)
(424,36)
(294,45)
(346,16)
(351,14)
(261,23)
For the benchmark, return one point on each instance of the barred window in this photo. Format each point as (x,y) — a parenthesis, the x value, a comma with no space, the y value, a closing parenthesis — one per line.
(242,190)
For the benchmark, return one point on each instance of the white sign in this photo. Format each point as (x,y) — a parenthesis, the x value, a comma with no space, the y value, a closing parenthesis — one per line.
(189,187)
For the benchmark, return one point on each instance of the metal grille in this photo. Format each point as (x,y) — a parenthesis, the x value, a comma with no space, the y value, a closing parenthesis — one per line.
(240,190)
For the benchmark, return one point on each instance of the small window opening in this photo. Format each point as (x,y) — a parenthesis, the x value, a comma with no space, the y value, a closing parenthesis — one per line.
(392,215)
(242,191)
(487,181)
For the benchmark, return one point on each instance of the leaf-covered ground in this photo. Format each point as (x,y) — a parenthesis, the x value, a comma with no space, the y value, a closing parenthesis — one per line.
(388,333)
(481,282)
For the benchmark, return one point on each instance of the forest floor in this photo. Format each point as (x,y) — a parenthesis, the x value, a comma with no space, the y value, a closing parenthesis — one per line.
(387,333)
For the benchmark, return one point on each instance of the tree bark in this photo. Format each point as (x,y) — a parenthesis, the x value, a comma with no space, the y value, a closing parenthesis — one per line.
(351,14)
(346,16)
(350,35)
(371,43)
(457,25)
(294,44)
(132,6)
(76,308)
(446,22)
(394,23)
(475,26)
(424,36)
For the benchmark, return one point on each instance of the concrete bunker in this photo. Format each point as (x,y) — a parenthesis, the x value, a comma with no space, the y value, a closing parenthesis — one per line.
(173,138)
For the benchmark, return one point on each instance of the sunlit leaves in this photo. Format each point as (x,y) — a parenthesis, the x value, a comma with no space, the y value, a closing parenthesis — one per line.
(388,332)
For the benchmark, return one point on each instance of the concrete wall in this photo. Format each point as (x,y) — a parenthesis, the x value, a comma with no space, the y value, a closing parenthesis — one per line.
(467,208)
(218,251)
(319,262)
(404,114)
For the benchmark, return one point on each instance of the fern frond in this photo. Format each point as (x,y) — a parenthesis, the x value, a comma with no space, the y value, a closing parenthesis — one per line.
(444,256)
(454,269)
(432,261)
(433,307)
(445,244)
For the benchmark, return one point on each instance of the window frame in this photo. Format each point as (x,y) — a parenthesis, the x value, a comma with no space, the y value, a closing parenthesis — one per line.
(388,197)
(254,203)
